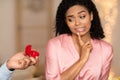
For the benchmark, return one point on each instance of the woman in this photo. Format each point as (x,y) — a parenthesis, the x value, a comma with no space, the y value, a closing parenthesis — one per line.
(78,51)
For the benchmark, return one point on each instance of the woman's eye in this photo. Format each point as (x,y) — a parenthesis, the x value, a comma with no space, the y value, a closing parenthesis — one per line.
(70,20)
(82,17)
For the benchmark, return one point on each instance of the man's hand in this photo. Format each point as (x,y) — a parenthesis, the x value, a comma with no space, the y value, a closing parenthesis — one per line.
(21,61)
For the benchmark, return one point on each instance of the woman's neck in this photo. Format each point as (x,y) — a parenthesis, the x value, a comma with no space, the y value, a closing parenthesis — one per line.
(76,41)
(84,38)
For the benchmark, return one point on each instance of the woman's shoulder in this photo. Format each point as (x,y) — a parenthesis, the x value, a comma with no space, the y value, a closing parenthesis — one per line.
(104,48)
(59,39)
(103,44)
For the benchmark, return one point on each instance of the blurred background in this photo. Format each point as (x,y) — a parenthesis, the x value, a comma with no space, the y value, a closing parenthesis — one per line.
(25,22)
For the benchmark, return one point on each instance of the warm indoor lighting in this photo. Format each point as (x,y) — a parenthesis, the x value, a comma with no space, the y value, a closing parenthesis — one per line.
(113,77)
(108,12)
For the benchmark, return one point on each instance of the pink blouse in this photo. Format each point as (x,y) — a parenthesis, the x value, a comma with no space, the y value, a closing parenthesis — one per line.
(61,54)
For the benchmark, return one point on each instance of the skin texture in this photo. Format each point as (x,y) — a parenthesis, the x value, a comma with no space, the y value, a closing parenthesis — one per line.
(78,20)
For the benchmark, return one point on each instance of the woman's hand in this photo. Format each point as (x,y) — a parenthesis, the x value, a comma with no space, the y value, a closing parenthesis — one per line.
(85,50)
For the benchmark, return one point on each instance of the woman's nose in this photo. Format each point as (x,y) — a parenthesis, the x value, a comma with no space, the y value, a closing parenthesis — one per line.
(77,22)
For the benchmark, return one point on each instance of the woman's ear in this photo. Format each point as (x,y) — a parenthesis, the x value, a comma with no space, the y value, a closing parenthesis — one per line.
(91,14)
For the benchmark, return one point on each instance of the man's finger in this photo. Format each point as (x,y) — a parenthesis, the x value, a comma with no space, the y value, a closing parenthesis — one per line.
(33,61)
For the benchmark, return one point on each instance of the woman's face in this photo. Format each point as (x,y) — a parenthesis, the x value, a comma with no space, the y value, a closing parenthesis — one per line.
(78,20)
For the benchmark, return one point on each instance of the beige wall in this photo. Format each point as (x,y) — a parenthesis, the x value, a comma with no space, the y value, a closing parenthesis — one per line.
(7,29)
(116,43)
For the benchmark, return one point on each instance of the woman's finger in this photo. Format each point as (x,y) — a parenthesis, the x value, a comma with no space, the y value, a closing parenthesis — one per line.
(80,40)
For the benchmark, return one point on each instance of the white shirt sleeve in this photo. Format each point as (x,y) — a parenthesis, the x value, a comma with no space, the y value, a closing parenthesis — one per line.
(5,73)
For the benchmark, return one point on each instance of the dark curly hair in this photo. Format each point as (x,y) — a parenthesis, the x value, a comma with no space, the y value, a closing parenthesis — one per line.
(96,31)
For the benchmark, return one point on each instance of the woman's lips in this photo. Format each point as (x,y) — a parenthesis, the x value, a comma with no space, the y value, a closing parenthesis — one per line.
(81,29)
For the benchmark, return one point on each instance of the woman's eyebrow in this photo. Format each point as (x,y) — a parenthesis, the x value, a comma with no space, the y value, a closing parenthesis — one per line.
(78,13)
(81,11)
